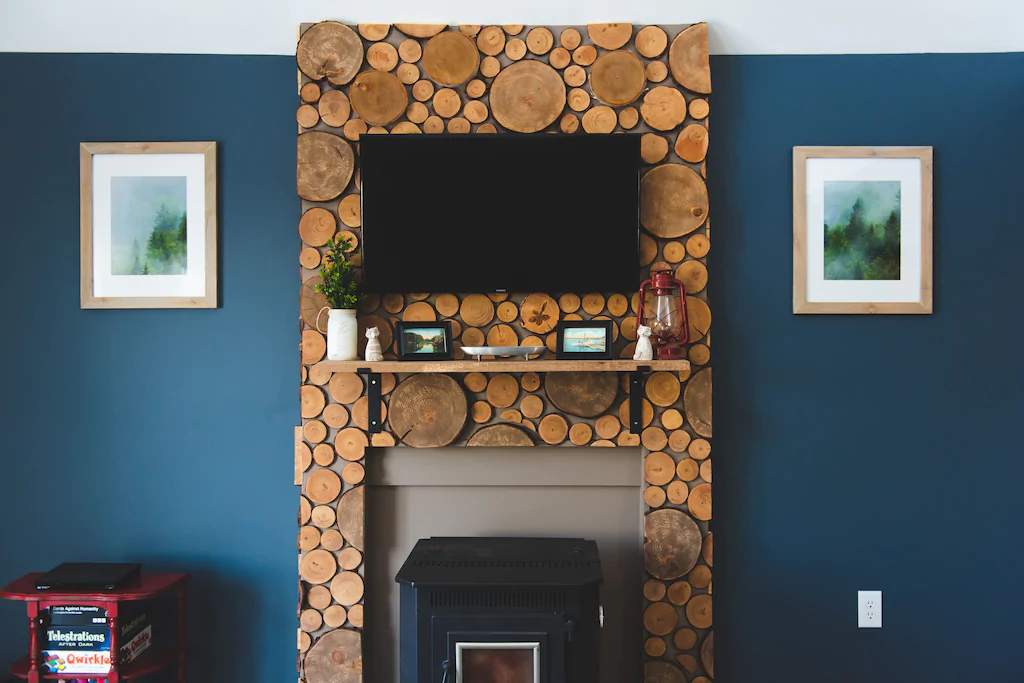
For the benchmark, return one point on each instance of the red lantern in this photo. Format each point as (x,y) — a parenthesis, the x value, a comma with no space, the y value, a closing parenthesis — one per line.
(663,309)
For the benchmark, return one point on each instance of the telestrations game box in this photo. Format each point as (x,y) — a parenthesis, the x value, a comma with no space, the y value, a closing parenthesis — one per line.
(77,638)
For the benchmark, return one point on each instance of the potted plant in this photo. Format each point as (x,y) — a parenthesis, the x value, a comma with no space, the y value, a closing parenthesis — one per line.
(340,289)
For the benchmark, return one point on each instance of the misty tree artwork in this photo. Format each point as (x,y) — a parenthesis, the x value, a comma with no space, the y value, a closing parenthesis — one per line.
(862,229)
(148,225)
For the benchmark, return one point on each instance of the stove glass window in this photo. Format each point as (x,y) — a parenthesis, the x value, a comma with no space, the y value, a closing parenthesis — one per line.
(497,662)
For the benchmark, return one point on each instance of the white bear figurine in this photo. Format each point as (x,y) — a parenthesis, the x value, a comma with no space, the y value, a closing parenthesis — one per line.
(644,350)
(373,350)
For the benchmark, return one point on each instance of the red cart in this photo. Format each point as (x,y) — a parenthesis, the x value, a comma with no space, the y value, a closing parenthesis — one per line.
(149,586)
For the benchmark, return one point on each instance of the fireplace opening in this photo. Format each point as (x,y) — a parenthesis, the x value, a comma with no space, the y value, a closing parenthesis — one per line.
(591,493)
(500,610)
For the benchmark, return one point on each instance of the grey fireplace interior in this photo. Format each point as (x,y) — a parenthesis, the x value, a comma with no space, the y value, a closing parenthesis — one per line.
(592,493)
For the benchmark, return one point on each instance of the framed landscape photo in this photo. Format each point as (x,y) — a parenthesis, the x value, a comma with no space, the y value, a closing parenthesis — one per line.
(584,340)
(425,341)
(862,229)
(149,224)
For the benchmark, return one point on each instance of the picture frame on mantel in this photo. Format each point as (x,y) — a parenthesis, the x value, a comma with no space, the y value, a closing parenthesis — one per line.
(862,230)
(148,224)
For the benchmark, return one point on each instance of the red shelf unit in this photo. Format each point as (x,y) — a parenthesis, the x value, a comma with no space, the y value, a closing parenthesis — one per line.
(149,586)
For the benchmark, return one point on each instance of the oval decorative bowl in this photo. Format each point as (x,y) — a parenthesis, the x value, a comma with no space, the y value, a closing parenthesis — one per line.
(524,351)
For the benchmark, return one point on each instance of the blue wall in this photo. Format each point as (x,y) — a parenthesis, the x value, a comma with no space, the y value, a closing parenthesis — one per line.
(851,453)
(159,436)
(868,452)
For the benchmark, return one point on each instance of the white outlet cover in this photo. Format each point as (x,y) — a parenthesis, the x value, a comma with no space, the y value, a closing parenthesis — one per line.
(869,609)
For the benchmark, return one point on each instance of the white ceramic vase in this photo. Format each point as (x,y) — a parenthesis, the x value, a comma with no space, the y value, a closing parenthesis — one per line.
(342,333)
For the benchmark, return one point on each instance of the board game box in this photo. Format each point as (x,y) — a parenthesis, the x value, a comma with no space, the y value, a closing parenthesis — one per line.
(77,638)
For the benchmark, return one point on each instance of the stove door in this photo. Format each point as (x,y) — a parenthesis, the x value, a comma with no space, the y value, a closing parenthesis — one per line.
(505,649)
(493,662)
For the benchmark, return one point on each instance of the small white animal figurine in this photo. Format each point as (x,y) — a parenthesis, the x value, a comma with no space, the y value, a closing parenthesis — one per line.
(644,350)
(373,350)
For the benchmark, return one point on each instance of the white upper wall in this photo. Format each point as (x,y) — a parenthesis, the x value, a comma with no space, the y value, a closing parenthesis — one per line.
(737,26)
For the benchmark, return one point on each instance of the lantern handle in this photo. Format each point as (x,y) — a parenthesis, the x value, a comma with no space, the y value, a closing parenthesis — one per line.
(640,302)
(686,317)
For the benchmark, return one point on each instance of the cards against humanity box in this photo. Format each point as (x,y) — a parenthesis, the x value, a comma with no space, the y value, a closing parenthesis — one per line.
(77,615)
(77,638)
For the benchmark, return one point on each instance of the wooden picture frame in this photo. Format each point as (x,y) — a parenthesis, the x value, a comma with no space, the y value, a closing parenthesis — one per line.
(605,353)
(405,352)
(161,189)
(886,194)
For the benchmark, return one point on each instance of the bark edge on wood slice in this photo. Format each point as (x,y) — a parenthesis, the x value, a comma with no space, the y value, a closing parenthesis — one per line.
(374,32)
(618,77)
(352,515)
(491,41)
(421,30)
(610,36)
(553,429)
(318,566)
(336,657)
(427,410)
(500,435)
(672,544)
(697,402)
(378,97)
(660,618)
(663,108)
(688,59)
(476,310)
(600,119)
(651,41)
(329,49)
(584,394)
(698,315)
(663,388)
(324,165)
(698,611)
(707,654)
(540,313)
(653,149)
(382,56)
(527,96)
(692,143)
(450,58)
(317,226)
(311,301)
(673,201)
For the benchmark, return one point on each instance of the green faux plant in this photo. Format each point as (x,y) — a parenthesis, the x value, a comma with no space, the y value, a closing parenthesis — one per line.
(339,284)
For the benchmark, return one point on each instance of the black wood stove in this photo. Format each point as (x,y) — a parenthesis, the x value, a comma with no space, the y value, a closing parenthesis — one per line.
(500,610)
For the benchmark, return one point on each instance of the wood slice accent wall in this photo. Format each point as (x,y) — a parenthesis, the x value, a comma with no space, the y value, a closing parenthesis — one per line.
(379,79)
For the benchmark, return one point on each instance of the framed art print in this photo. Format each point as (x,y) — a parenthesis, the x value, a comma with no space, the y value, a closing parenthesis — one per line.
(862,229)
(584,340)
(425,340)
(149,225)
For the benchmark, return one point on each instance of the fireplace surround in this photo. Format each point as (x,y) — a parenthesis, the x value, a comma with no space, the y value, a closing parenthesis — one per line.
(350,408)
(497,610)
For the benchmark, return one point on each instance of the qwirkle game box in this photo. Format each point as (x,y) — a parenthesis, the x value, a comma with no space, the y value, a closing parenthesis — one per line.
(77,638)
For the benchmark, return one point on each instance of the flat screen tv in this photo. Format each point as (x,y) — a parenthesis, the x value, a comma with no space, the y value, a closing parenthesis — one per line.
(500,213)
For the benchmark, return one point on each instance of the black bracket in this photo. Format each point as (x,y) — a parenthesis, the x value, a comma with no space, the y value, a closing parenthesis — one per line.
(636,399)
(373,399)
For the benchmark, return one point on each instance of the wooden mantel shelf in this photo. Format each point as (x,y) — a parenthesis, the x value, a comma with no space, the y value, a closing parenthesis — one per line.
(405,367)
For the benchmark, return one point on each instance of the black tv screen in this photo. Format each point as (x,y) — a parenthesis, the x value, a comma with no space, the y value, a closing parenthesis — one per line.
(500,213)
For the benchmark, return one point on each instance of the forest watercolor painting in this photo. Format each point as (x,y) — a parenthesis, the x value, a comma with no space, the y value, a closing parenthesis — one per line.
(148,225)
(862,229)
